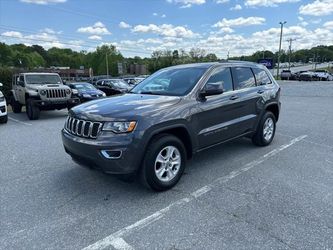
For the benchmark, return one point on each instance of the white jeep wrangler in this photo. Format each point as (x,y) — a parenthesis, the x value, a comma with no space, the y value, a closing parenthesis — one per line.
(40,91)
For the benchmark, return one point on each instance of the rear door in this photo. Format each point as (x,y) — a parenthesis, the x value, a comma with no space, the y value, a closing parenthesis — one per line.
(246,98)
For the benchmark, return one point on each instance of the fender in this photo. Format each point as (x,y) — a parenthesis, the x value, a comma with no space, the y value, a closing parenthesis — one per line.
(267,105)
(13,95)
(167,126)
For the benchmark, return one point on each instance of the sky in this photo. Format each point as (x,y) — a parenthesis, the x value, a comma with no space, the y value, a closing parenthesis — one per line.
(138,27)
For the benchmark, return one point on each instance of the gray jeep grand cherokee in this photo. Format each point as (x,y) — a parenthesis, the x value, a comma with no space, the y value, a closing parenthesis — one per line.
(174,113)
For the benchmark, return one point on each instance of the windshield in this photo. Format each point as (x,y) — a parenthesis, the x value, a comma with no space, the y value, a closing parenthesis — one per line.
(174,82)
(84,86)
(120,84)
(43,79)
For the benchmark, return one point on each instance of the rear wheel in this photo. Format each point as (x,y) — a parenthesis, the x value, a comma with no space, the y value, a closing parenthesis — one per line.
(266,130)
(33,111)
(164,162)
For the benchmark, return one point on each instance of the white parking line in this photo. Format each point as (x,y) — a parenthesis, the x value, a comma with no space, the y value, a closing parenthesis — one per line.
(120,244)
(116,239)
(24,123)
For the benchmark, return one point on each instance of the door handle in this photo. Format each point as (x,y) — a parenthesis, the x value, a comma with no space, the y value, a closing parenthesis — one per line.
(260,91)
(234,97)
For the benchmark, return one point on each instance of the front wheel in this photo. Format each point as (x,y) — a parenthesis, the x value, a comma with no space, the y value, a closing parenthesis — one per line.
(4,119)
(266,130)
(164,162)
(33,111)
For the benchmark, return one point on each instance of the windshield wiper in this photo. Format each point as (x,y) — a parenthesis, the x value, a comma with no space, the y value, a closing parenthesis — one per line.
(150,93)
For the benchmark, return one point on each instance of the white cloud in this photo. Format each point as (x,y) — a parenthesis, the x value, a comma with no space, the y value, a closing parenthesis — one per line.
(95,37)
(317,8)
(267,3)
(43,2)
(187,3)
(50,31)
(239,22)
(167,30)
(43,39)
(163,16)
(329,25)
(221,1)
(155,14)
(12,34)
(97,29)
(124,25)
(236,7)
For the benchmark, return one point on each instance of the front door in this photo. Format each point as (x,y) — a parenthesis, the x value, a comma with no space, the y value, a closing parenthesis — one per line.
(215,113)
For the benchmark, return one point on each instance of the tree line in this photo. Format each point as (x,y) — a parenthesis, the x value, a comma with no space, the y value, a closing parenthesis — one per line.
(22,57)
(35,56)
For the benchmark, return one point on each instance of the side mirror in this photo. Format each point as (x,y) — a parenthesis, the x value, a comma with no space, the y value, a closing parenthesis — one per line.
(64,81)
(212,89)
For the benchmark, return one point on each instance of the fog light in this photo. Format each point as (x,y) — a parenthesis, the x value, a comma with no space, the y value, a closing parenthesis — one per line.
(111,154)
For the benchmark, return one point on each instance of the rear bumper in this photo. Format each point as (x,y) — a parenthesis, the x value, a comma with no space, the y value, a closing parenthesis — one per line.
(89,153)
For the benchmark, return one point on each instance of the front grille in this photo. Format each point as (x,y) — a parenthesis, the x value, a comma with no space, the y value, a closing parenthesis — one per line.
(55,93)
(83,128)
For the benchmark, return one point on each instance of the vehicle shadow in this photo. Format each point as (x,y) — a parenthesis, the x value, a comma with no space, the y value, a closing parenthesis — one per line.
(206,164)
(44,115)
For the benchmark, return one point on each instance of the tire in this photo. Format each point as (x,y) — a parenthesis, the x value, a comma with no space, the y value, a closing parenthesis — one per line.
(16,106)
(4,119)
(170,172)
(260,138)
(33,111)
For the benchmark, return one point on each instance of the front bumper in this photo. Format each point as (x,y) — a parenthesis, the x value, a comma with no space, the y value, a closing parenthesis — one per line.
(89,152)
(67,102)
(3,108)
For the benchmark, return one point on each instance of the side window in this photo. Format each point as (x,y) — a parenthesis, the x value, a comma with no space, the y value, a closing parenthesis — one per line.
(243,78)
(261,76)
(21,79)
(222,76)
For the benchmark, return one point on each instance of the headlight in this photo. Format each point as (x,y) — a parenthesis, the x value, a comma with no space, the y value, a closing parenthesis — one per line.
(68,91)
(75,91)
(2,98)
(119,127)
(86,95)
(43,92)
(103,94)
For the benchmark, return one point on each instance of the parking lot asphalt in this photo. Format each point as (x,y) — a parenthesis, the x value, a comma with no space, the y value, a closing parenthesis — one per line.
(233,196)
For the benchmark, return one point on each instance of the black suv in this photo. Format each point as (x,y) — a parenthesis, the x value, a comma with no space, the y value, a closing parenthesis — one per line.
(174,113)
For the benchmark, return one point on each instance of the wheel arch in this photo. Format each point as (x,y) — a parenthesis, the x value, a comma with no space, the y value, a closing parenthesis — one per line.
(274,108)
(181,132)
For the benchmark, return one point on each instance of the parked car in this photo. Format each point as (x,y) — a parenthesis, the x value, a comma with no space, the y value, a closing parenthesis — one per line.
(297,74)
(113,86)
(85,91)
(154,132)
(3,108)
(287,75)
(40,91)
(94,79)
(307,76)
(323,75)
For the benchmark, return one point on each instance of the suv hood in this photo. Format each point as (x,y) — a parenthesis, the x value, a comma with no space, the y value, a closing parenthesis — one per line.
(124,107)
(45,86)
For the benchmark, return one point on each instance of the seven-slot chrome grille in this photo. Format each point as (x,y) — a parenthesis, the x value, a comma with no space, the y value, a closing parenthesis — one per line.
(56,93)
(83,128)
